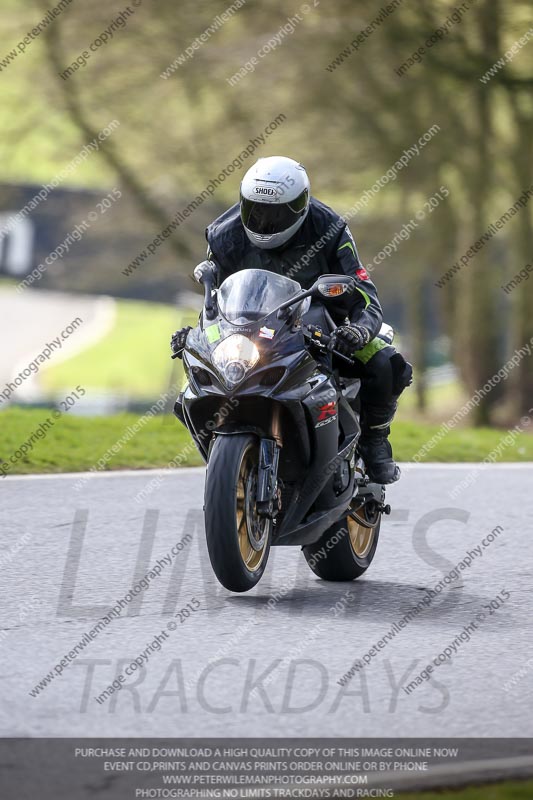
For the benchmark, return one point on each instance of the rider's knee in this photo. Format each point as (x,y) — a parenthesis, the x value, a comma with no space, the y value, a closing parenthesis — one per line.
(388,372)
(402,373)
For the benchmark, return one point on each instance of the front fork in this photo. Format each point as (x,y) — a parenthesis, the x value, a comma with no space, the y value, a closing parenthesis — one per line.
(267,480)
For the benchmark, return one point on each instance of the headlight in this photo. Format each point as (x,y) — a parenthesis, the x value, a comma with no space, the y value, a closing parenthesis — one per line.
(234,357)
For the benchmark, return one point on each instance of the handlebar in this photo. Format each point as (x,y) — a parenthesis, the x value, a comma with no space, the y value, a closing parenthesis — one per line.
(325,342)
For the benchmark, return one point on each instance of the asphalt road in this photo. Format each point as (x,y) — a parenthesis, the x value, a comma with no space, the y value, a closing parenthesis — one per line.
(58,579)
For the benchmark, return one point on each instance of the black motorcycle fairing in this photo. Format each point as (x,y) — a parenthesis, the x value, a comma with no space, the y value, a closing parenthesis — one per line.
(287,396)
(208,407)
(316,493)
(247,304)
(285,368)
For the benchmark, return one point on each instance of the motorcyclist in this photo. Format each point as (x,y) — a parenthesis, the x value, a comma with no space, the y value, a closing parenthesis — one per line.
(278,226)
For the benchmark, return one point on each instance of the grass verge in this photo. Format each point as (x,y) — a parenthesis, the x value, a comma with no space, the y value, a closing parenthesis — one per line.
(76,444)
(133,359)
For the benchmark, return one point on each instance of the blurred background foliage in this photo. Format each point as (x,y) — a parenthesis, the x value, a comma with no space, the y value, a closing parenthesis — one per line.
(347,124)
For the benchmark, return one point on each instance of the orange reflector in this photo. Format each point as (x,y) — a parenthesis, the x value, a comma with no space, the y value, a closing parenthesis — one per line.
(332,289)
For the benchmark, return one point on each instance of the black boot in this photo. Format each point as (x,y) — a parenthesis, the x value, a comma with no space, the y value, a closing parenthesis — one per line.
(384,378)
(376,451)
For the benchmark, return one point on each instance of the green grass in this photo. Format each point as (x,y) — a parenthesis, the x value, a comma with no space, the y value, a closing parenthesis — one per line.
(514,790)
(76,444)
(441,398)
(134,358)
(460,444)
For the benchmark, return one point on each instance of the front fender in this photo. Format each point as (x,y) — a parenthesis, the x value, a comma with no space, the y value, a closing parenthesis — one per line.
(231,428)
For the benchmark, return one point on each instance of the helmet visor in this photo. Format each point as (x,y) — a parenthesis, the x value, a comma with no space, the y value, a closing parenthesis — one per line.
(270,218)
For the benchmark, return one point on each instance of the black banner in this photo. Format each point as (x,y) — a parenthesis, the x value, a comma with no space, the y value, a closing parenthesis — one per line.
(68,769)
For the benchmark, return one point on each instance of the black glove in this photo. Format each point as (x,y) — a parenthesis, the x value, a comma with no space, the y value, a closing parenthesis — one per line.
(350,338)
(178,341)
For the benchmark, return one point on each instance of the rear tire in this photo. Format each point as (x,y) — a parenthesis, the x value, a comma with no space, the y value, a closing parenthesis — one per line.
(349,547)
(238,540)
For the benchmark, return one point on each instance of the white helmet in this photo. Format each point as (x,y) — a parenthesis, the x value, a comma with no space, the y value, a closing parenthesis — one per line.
(274,201)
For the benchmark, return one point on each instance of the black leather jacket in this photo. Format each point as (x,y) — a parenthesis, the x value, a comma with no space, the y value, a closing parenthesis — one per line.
(323,245)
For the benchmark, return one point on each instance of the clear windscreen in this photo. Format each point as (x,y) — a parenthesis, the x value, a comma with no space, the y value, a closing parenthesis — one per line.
(251,294)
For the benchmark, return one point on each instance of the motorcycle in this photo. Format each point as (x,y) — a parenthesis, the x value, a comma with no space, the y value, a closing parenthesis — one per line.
(278,428)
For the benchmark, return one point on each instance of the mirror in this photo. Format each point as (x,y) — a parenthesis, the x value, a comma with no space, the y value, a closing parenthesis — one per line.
(206,270)
(334,285)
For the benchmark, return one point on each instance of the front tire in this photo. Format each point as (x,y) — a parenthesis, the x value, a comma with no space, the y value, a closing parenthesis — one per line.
(345,551)
(238,539)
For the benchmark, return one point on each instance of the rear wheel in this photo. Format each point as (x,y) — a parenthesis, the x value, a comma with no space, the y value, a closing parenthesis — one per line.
(346,550)
(238,539)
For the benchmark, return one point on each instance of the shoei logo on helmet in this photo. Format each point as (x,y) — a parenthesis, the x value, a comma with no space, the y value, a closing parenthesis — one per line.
(265,190)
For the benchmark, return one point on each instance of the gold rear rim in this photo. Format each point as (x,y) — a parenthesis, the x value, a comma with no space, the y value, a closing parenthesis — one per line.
(362,531)
(252,530)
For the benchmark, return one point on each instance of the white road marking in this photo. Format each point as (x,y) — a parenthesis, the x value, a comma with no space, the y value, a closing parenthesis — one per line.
(144,473)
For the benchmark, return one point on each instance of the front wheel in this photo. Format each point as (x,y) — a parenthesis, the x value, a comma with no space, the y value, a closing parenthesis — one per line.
(345,551)
(238,539)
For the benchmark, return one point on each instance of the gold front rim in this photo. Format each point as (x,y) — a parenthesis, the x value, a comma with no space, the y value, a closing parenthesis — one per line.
(361,533)
(252,530)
